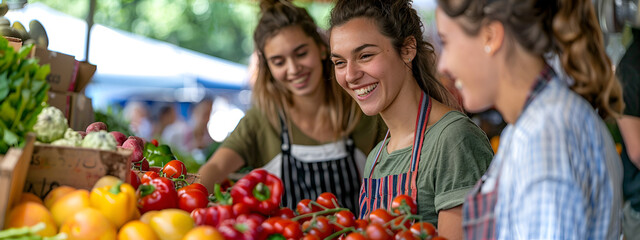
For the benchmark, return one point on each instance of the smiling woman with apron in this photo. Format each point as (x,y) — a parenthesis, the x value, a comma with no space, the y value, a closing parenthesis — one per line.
(436,171)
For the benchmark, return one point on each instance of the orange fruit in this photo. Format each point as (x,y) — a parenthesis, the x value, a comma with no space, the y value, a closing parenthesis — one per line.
(203,232)
(88,224)
(136,230)
(56,194)
(69,204)
(27,214)
(29,197)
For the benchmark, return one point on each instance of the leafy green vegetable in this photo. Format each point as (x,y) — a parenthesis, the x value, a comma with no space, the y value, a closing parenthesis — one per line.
(23,93)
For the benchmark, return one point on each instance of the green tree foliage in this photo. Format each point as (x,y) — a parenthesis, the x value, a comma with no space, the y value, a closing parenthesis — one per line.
(221,28)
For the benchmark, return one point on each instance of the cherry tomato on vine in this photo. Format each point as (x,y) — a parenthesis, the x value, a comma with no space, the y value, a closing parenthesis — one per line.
(380,216)
(355,236)
(404,204)
(361,224)
(376,231)
(343,219)
(286,213)
(405,235)
(148,176)
(328,200)
(174,169)
(423,230)
(191,199)
(319,227)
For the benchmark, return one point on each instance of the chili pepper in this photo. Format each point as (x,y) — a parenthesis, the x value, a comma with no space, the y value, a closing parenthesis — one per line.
(259,190)
(117,202)
(157,194)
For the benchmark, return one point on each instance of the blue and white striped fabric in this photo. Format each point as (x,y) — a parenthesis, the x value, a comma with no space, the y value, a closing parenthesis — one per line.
(561,177)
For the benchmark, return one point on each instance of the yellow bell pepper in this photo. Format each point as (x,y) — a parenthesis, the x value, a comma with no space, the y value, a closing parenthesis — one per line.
(116,202)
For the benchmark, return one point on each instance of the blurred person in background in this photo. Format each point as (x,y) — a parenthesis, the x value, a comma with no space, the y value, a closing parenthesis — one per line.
(628,72)
(557,174)
(302,126)
(137,114)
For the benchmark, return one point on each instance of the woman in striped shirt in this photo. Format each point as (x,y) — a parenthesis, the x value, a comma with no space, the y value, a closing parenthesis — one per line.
(556,174)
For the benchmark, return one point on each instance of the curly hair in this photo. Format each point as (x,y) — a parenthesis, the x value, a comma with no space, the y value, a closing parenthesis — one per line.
(568,28)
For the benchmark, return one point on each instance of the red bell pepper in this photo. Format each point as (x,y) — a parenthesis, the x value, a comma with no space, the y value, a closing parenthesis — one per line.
(244,227)
(213,215)
(157,194)
(259,190)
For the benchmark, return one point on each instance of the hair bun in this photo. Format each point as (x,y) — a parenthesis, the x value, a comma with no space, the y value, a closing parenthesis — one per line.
(266,5)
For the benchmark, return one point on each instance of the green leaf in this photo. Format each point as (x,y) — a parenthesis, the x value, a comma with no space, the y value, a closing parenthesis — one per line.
(4,86)
(26,95)
(42,72)
(7,112)
(24,51)
(10,137)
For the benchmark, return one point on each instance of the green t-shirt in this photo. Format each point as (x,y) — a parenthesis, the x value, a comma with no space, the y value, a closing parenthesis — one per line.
(455,153)
(258,142)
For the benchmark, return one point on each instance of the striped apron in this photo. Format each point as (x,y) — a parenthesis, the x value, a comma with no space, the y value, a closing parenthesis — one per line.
(478,210)
(308,179)
(379,193)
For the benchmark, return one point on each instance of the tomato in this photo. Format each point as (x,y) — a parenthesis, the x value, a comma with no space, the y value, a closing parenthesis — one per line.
(304,207)
(355,236)
(376,231)
(191,199)
(396,223)
(404,204)
(135,180)
(148,176)
(319,227)
(344,219)
(361,224)
(174,169)
(289,229)
(328,200)
(423,230)
(311,237)
(154,142)
(405,235)
(196,186)
(286,213)
(380,216)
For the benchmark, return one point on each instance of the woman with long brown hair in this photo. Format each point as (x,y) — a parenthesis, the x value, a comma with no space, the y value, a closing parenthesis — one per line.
(556,174)
(432,152)
(302,126)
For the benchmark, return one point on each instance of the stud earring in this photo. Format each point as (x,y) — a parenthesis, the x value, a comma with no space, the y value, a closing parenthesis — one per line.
(487,49)
(458,84)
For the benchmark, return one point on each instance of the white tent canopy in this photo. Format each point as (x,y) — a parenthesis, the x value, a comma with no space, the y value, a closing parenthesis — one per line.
(131,65)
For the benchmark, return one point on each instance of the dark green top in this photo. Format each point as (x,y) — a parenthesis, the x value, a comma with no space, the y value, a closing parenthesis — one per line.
(628,72)
(455,153)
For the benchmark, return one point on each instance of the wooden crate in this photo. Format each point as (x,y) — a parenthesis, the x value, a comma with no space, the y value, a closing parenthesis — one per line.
(54,166)
(13,172)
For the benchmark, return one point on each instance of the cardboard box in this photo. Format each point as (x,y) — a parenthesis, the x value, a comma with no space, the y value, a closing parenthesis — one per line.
(16,43)
(76,107)
(54,166)
(13,172)
(81,112)
(85,73)
(63,69)
(62,101)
